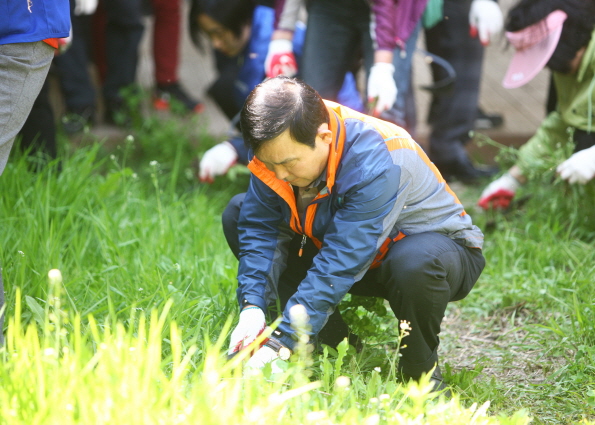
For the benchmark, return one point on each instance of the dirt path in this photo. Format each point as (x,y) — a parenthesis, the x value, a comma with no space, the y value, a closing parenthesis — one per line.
(503,344)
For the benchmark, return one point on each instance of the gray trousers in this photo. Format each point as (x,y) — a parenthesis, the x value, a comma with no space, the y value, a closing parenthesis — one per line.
(23,70)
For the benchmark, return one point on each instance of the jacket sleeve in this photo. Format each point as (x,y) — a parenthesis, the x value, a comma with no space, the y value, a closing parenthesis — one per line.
(286,14)
(383,24)
(263,236)
(372,202)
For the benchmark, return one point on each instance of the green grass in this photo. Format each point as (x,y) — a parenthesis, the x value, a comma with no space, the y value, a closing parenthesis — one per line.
(134,332)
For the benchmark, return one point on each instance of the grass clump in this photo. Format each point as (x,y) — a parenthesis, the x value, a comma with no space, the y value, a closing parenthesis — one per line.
(136,332)
(74,371)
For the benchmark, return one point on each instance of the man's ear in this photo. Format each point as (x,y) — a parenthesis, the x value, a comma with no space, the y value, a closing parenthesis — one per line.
(325,133)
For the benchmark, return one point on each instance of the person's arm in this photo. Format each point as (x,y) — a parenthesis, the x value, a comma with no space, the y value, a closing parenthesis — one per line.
(367,213)
(382,88)
(263,236)
(579,168)
(280,58)
(485,20)
(286,14)
(217,161)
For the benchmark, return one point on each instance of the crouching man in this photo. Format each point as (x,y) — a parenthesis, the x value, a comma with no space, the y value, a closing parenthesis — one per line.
(342,202)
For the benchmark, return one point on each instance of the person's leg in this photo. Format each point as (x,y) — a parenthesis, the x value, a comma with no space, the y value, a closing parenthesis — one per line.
(23,70)
(72,66)
(166,56)
(452,114)
(39,130)
(421,274)
(403,112)
(123,33)
(229,220)
(222,90)
(333,35)
(166,40)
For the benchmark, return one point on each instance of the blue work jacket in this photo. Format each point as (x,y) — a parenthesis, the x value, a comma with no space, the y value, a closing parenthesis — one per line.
(380,187)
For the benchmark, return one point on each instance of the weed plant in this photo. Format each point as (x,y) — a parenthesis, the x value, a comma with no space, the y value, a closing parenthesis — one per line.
(539,278)
(68,372)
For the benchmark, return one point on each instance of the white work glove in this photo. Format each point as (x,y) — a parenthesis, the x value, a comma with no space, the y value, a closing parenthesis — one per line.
(263,356)
(485,18)
(252,323)
(499,193)
(85,7)
(217,161)
(280,59)
(580,167)
(382,89)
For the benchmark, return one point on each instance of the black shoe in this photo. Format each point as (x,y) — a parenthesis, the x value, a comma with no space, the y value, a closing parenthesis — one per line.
(117,113)
(485,121)
(164,93)
(439,386)
(463,170)
(75,120)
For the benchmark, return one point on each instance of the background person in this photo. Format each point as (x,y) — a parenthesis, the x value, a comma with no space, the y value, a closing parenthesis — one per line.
(121,28)
(29,35)
(558,34)
(467,27)
(240,32)
(342,202)
(166,57)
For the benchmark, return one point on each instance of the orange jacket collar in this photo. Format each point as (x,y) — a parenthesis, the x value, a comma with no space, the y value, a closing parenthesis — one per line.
(284,189)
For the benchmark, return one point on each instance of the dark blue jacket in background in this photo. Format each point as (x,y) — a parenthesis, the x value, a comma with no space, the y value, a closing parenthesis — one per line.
(24,21)
(252,70)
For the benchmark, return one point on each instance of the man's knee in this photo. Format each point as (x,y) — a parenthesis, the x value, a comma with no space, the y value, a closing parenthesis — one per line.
(412,265)
(229,219)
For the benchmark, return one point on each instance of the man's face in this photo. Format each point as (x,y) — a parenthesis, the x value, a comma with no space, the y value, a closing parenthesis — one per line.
(223,38)
(294,162)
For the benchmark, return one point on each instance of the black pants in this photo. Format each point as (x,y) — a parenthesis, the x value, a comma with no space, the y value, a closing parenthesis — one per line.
(337,36)
(420,275)
(39,130)
(452,115)
(123,33)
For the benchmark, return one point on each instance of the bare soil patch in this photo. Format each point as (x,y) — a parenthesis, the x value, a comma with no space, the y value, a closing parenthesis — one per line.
(503,344)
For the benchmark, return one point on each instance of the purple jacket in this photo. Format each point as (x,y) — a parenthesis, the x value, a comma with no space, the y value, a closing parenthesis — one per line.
(395,20)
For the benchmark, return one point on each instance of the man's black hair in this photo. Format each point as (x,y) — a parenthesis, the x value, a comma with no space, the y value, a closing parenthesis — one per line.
(232,14)
(576,32)
(278,104)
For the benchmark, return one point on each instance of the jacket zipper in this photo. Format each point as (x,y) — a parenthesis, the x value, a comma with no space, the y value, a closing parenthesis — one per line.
(301,251)
(303,243)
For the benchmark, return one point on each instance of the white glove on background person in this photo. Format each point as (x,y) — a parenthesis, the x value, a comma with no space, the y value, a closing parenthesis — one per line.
(263,356)
(85,7)
(382,87)
(499,193)
(217,161)
(251,324)
(485,18)
(280,59)
(579,168)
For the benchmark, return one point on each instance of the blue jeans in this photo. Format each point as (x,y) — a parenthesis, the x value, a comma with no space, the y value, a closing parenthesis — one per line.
(403,113)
